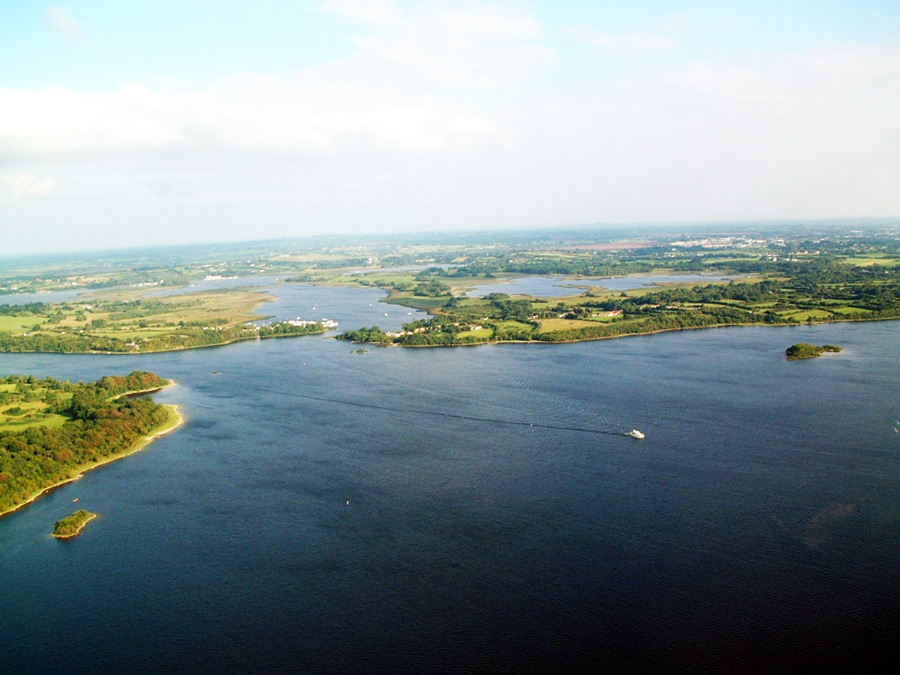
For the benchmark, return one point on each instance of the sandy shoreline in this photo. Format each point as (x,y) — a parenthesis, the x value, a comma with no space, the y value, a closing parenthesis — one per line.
(137,446)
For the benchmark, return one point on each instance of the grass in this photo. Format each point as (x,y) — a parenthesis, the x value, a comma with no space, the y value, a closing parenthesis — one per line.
(810,315)
(548,325)
(17,324)
(851,311)
(869,260)
(168,315)
(33,415)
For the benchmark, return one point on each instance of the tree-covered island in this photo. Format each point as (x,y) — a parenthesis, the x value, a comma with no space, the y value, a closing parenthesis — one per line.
(51,431)
(71,526)
(804,350)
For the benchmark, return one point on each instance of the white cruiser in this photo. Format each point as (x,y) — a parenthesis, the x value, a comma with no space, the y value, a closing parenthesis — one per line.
(634,433)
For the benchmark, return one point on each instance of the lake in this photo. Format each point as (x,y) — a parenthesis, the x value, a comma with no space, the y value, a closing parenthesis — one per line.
(478,508)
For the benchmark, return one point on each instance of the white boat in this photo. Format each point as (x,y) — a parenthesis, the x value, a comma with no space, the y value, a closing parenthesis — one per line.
(634,433)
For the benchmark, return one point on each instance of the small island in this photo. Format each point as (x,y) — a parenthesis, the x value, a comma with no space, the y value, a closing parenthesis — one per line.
(804,350)
(71,526)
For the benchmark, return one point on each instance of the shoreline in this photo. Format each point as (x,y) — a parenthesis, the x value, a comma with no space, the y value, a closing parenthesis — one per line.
(176,419)
(175,349)
(624,335)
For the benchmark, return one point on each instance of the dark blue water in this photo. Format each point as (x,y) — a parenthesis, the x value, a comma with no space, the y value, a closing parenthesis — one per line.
(554,287)
(320,513)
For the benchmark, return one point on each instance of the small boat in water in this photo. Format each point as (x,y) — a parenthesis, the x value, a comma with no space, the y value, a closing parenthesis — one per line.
(634,433)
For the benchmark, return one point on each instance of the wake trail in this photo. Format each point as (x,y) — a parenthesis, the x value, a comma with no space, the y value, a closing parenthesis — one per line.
(448,415)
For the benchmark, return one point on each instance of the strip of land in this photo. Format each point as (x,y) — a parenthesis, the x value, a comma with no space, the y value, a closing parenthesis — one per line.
(129,322)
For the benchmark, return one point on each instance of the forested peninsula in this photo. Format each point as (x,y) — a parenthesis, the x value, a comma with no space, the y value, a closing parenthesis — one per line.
(52,431)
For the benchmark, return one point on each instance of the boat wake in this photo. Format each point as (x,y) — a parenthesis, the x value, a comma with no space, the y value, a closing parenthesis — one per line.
(613,430)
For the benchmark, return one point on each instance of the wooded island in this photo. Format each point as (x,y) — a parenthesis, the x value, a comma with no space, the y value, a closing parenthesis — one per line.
(71,526)
(804,350)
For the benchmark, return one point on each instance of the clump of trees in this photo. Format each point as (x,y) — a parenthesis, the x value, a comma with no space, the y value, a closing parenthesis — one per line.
(804,350)
(71,525)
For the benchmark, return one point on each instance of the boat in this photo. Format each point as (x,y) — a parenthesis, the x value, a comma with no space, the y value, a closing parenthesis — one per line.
(634,433)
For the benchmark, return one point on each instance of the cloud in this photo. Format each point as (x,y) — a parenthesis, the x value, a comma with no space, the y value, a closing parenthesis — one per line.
(622,44)
(469,45)
(472,18)
(371,12)
(60,20)
(442,116)
(811,134)
(251,113)
(411,86)
(22,185)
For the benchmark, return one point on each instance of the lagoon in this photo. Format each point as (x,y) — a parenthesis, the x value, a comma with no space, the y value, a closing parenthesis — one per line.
(318,513)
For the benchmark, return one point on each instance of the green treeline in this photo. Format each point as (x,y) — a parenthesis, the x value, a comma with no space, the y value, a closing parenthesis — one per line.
(286,328)
(99,425)
(186,337)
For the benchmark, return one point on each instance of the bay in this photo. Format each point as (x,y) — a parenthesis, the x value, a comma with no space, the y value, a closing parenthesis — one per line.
(324,510)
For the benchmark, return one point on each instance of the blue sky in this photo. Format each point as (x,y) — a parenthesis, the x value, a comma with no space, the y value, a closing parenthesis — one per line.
(125,124)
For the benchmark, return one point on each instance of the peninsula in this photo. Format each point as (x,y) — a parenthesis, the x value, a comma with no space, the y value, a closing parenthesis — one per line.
(127,321)
(734,289)
(53,431)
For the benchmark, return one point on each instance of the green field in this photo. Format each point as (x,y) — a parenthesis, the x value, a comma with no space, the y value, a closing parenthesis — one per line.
(129,321)
(21,408)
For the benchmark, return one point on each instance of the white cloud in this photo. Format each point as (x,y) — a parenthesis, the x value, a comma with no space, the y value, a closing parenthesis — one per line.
(815,134)
(60,20)
(472,45)
(624,43)
(421,127)
(469,18)
(257,114)
(399,92)
(378,12)
(22,185)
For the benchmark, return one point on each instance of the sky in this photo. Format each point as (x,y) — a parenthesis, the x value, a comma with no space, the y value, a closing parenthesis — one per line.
(184,121)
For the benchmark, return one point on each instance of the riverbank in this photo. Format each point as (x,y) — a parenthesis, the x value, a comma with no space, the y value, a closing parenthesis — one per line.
(655,331)
(178,348)
(175,420)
